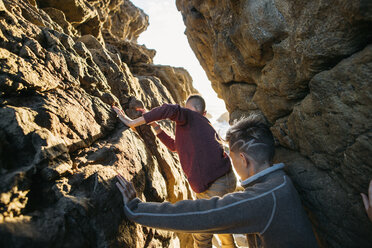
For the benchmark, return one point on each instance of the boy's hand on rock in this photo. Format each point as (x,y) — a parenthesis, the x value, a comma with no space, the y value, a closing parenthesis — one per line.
(367,200)
(126,188)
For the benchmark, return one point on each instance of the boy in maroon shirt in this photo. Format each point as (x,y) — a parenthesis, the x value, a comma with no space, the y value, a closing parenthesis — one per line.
(206,165)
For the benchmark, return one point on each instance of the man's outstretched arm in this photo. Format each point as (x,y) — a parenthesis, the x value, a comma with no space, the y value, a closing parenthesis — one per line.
(173,112)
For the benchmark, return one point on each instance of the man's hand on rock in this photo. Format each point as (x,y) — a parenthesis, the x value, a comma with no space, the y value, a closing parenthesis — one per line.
(367,200)
(125,119)
(126,188)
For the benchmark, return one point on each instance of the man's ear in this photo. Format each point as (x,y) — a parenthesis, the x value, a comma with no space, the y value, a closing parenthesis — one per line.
(204,113)
(244,159)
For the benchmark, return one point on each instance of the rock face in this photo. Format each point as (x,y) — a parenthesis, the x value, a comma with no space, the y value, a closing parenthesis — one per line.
(307,67)
(63,64)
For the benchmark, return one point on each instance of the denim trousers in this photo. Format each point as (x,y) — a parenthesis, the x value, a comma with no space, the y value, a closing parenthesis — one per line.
(223,185)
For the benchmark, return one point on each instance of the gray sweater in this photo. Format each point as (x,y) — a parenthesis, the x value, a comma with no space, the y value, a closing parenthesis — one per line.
(269,206)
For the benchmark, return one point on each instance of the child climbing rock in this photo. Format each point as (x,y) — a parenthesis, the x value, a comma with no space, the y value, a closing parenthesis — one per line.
(206,165)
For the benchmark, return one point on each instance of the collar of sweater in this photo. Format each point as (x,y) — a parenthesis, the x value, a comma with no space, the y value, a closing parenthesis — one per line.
(261,174)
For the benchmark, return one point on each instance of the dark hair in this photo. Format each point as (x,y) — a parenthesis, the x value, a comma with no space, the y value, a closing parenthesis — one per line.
(198,102)
(252,137)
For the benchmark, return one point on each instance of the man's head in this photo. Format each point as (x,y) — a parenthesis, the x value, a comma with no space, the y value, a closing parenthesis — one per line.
(196,103)
(251,146)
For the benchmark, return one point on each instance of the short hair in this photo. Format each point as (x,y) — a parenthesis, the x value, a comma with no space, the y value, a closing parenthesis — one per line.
(198,102)
(252,137)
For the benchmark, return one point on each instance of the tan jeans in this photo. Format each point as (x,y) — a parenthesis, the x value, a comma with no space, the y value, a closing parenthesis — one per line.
(223,185)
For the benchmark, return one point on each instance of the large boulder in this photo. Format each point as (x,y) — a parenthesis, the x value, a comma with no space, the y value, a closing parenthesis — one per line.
(61,144)
(306,67)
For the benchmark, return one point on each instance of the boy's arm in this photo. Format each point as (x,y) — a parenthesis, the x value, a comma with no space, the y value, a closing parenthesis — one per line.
(164,138)
(173,112)
(215,215)
(234,213)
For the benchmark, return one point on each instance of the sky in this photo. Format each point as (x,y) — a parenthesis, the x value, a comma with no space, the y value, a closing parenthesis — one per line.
(166,35)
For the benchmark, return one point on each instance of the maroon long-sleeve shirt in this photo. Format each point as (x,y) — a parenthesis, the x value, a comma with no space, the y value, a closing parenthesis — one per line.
(202,157)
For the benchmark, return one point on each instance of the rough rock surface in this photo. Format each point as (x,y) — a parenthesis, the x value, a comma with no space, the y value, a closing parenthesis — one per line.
(63,64)
(307,67)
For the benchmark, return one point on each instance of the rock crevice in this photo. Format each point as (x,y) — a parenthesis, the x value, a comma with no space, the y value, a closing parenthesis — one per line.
(305,66)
